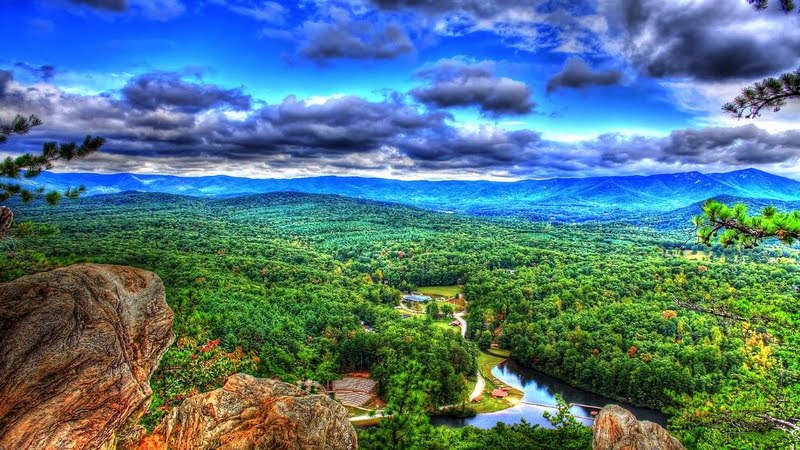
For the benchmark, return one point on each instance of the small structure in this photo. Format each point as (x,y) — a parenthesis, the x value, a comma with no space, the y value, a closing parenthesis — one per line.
(354,391)
(416,298)
(499,393)
(455,323)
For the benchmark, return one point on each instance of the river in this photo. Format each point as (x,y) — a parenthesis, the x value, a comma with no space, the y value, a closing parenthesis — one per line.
(541,388)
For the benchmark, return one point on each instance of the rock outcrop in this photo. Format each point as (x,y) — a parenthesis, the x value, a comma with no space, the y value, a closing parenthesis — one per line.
(616,428)
(78,347)
(254,414)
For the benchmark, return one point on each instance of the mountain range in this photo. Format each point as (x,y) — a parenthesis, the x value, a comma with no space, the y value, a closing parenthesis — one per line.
(595,198)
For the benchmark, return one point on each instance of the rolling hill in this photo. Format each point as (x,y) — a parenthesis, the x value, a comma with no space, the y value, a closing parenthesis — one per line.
(596,198)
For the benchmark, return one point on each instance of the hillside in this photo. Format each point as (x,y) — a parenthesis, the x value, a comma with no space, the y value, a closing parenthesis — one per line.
(563,199)
(282,285)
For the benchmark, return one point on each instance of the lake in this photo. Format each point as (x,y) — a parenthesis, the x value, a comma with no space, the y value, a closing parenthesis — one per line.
(541,388)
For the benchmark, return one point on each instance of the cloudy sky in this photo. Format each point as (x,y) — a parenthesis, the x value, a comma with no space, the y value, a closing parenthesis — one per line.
(413,89)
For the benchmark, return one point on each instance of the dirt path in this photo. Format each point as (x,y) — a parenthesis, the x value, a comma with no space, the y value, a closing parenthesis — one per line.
(460,318)
(480,385)
(408,310)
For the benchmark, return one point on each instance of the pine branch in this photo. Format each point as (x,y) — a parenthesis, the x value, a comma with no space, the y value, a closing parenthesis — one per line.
(734,226)
(769,93)
(31,165)
(761,5)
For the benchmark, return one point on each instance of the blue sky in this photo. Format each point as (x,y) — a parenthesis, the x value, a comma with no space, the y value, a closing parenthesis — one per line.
(400,88)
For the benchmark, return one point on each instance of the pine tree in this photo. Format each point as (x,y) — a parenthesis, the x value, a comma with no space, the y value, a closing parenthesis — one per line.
(732,225)
(30,166)
(771,92)
(407,424)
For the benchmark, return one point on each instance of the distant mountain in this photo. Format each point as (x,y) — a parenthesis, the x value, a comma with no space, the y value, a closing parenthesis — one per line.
(597,198)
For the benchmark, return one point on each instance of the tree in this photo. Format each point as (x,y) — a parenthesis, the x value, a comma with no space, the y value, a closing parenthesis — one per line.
(739,228)
(30,166)
(569,430)
(771,92)
(408,423)
(735,226)
(760,5)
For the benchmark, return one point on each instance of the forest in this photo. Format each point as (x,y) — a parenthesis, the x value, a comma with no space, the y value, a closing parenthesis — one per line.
(282,285)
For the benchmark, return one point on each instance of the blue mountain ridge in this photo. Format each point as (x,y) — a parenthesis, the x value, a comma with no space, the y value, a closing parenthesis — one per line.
(568,198)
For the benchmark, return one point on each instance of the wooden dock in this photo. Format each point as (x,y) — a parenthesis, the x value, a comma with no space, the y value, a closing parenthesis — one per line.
(542,405)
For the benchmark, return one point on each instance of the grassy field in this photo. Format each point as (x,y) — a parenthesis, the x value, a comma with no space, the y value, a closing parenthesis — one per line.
(441,291)
(445,324)
(695,255)
(486,362)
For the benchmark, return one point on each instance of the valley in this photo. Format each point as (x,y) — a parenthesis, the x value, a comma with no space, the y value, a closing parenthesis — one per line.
(283,284)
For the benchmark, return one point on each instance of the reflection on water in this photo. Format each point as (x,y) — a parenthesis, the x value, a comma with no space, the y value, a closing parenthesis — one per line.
(541,389)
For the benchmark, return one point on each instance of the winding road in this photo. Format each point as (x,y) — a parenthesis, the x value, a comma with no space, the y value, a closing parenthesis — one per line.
(480,384)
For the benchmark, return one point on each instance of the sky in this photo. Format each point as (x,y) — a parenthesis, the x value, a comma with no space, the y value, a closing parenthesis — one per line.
(409,89)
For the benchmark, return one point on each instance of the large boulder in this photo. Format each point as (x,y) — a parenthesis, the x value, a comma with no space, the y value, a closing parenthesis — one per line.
(78,347)
(616,428)
(254,414)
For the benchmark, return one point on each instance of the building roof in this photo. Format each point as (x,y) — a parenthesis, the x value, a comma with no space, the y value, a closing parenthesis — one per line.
(499,393)
(416,298)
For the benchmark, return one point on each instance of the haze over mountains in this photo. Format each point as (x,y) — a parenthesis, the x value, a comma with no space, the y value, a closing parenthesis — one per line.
(558,198)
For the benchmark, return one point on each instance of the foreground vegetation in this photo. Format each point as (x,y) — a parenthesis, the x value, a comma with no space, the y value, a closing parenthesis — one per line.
(283,285)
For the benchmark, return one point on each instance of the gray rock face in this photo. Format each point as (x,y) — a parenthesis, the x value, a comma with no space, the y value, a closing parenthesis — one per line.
(616,428)
(78,347)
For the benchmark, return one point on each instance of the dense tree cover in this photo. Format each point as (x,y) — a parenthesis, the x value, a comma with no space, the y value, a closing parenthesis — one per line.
(409,429)
(29,166)
(275,304)
(279,285)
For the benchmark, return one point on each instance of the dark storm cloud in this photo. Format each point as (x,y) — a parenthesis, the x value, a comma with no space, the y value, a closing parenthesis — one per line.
(745,145)
(577,74)
(108,5)
(479,8)
(338,126)
(351,133)
(45,72)
(705,40)
(5,78)
(351,39)
(164,89)
(454,82)
(529,25)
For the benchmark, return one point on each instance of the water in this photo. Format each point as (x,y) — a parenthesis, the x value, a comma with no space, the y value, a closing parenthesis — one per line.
(541,388)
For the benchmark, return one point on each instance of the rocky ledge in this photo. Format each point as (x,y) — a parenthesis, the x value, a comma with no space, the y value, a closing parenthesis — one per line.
(616,428)
(79,345)
(254,414)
